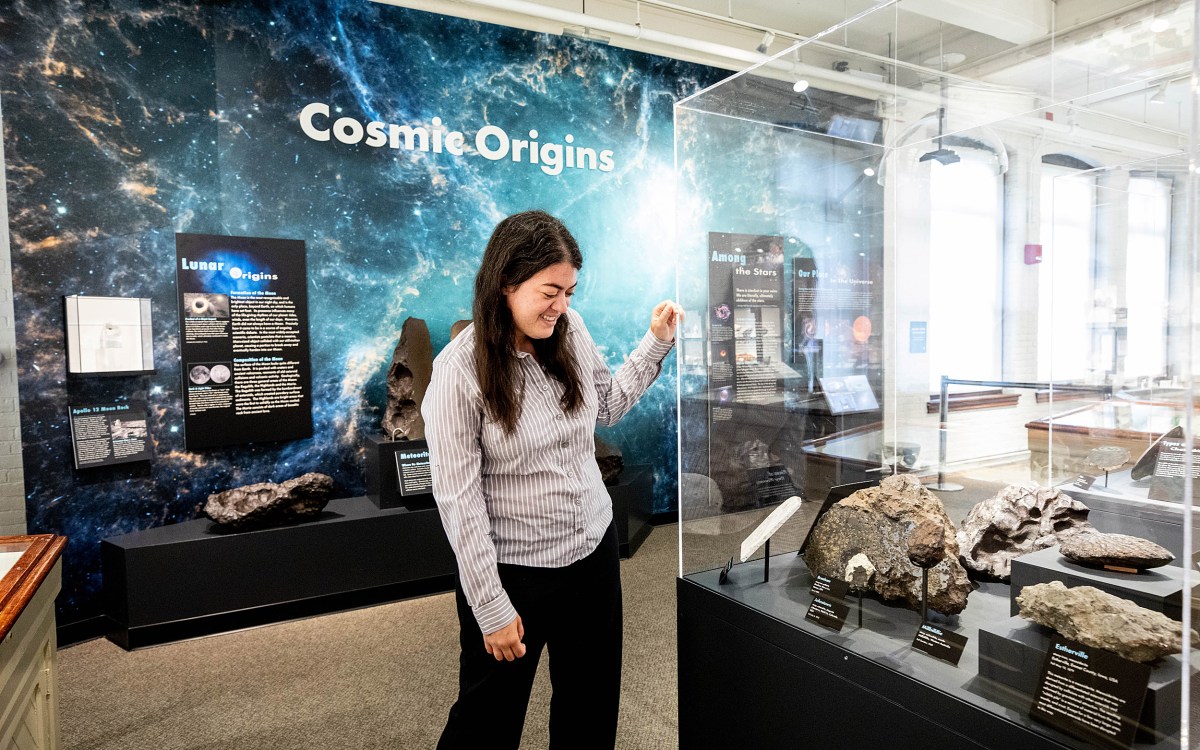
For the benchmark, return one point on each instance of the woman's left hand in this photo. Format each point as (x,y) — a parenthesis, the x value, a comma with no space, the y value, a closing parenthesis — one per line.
(666,316)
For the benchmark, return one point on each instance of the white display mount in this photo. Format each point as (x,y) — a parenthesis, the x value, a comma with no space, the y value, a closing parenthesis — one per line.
(108,335)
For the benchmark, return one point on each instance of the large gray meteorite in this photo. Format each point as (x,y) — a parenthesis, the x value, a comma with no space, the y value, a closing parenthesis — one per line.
(1094,618)
(408,379)
(1115,549)
(1021,518)
(877,522)
(269,504)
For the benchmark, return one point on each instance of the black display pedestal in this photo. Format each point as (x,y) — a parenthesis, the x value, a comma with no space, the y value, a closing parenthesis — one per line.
(383,484)
(753,672)
(631,498)
(192,578)
(1012,652)
(1158,589)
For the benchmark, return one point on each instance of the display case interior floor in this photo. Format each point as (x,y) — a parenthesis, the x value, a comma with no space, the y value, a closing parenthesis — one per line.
(379,677)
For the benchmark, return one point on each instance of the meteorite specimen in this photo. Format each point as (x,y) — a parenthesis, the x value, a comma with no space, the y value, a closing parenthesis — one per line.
(1095,618)
(859,571)
(1120,550)
(458,327)
(408,378)
(257,506)
(1021,518)
(877,522)
(1107,457)
(927,543)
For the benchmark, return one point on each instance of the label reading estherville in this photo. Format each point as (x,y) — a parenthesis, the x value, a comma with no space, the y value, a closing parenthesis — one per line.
(936,641)
(825,586)
(1090,693)
(412,469)
(827,612)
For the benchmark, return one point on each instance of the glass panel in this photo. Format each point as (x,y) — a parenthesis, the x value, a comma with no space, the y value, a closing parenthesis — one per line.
(978,293)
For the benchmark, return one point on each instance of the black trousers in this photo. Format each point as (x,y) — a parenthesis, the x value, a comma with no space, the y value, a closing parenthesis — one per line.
(574,613)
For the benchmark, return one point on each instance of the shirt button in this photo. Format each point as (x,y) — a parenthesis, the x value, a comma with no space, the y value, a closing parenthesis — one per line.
(570,475)
(545,387)
(559,416)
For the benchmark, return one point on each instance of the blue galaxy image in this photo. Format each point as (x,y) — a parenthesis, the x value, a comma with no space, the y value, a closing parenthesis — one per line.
(126,122)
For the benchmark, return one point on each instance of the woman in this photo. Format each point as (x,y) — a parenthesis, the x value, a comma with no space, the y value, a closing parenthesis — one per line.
(509,417)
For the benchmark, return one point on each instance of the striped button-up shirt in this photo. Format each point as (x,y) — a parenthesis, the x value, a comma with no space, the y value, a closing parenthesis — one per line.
(534,497)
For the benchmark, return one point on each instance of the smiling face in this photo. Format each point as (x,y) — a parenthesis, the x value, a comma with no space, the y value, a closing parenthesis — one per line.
(537,303)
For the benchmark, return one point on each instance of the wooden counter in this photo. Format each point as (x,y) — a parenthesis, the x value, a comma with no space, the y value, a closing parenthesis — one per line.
(30,579)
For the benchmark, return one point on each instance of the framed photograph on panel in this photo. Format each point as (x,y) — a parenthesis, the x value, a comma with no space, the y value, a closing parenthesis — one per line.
(108,335)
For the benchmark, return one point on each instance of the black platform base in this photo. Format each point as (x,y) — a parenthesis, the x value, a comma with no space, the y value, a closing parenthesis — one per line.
(631,499)
(754,673)
(1012,653)
(193,578)
(1157,589)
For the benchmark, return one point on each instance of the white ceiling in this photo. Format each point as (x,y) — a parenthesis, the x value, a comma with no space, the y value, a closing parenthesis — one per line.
(1100,54)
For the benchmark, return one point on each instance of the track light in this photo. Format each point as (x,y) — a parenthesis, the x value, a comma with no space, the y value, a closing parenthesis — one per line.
(767,40)
(800,86)
(1160,96)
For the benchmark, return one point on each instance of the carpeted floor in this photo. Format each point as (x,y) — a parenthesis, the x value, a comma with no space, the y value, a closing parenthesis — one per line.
(382,677)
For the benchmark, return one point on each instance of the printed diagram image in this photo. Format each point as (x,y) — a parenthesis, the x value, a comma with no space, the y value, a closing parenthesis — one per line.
(197,305)
(129,429)
(202,374)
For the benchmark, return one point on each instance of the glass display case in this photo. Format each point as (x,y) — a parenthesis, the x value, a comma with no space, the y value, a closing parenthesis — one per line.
(954,315)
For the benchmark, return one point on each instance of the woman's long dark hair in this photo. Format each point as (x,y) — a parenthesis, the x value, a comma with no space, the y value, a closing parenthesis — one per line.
(521,246)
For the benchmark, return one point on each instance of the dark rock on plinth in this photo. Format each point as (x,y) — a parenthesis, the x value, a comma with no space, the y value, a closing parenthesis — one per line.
(458,327)
(878,522)
(1021,518)
(610,460)
(1146,462)
(1095,618)
(927,543)
(269,504)
(1120,550)
(408,379)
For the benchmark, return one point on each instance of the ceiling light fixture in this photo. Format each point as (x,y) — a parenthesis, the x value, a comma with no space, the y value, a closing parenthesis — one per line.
(869,172)
(800,86)
(767,40)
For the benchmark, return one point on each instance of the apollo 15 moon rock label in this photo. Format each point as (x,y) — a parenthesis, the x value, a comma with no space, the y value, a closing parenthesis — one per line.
(243,339)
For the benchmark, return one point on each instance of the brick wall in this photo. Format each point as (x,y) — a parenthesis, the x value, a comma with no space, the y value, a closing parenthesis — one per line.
(12,475)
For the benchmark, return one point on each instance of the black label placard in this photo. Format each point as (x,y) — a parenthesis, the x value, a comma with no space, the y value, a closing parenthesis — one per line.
(412,469)
(1170,470)
(107,434)
(1090,693)
(1084,481)
(829,587)
(827,612)
(243,320)
(772,484)
(939,643)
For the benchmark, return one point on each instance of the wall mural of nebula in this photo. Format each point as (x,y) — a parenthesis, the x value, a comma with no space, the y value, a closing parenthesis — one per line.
(128,122)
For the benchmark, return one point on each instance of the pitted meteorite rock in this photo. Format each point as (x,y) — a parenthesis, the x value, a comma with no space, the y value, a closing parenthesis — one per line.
(1094,618)
(458,327)
(269,504)
(609,459)
(1021,518)
(878,522)
(408,378)
(1115,549)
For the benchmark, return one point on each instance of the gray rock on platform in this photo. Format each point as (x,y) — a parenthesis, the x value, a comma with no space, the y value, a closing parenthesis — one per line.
(610,460)
(407,380)
(269,504)
(1115,549)
(1021,518)
(878,522)
(1095,618)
